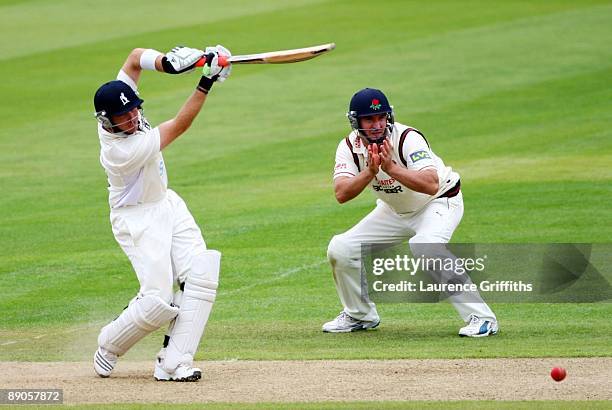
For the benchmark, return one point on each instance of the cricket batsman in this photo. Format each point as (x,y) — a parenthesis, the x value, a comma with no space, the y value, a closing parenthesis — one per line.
(419,198)
(150,222)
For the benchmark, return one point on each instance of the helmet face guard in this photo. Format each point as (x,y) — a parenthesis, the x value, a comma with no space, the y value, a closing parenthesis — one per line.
(108,124)
(116,98)
(365,103)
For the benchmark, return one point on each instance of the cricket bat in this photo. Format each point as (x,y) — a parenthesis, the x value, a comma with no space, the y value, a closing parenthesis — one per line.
(275,57)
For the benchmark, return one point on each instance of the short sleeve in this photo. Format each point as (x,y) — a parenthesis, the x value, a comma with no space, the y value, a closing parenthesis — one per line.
(122,76)
(345,163)
(416,152)
(131,153)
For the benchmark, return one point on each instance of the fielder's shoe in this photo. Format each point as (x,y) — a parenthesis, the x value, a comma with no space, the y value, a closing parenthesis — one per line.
(183,373)
(104,362)
(344,323)
(478,327)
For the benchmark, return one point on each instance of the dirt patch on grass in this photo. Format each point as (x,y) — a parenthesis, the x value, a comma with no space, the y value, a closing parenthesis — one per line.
(324,380)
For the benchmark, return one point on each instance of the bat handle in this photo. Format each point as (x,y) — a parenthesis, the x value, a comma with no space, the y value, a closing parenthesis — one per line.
(222,60)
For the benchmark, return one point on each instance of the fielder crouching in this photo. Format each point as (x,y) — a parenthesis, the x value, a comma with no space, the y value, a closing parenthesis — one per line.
(419,199)
(150,222)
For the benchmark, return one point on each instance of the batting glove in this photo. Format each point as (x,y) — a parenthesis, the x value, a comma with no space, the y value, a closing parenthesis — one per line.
(212,69)
(226,71)
(181,60)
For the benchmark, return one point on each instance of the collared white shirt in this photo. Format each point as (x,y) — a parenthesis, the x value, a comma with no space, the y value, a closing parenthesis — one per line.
(352,155)
(133,164)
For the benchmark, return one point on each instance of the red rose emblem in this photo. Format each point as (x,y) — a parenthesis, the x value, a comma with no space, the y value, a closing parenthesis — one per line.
(375,102)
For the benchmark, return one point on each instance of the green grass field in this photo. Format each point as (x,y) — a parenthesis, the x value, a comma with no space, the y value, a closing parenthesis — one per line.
(515,96)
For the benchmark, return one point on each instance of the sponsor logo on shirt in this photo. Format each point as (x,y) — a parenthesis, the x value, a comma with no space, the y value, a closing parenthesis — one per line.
(388,190)
(386,186)
(340,166)
(419,155)
(162,168)
(389,181)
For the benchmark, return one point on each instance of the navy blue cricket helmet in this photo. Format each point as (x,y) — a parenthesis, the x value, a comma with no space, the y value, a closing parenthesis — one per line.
(114,98)
(366,102)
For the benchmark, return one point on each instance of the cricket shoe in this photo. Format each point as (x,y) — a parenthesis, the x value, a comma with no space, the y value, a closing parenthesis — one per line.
(344,323)
(183,373)
(478,327)
(104,362)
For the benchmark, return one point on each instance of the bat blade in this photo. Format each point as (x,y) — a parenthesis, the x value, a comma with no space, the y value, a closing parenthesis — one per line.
(277,57)
(283,56)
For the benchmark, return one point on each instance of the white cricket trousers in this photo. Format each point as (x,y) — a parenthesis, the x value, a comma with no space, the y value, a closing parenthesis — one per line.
(160,239)
(433,224)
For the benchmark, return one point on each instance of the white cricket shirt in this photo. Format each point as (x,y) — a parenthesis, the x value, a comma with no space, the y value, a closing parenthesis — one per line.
(134,164)
(351,158)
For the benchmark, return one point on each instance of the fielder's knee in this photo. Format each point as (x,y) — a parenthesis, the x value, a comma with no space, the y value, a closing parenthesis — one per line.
(426,245)
(341,251)
(335,248)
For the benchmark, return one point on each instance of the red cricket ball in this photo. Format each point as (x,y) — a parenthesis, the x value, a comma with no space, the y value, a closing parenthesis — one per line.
(558,373)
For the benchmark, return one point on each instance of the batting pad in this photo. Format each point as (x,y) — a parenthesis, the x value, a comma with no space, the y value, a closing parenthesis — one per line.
(198,298)
(141,317)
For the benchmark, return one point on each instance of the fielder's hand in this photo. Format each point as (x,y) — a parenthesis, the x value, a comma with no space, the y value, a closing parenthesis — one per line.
(374,159)
(182,59)
(386,156)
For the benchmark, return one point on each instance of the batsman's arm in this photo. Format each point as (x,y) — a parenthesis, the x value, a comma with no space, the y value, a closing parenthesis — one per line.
(173,128)
(132,65)
(177,61)
(212,72)
(170,130)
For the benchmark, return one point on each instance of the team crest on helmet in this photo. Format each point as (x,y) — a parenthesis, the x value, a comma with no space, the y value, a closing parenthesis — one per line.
(123,99)
(375,104)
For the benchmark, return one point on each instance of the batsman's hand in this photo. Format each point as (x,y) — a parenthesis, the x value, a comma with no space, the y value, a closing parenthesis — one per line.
(374,159)
(227,70)
(183,59)
(213,69)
